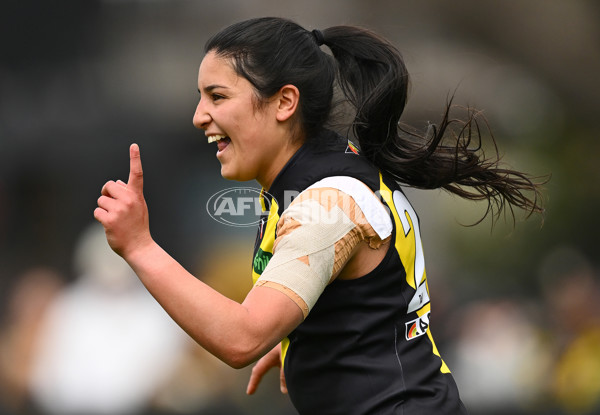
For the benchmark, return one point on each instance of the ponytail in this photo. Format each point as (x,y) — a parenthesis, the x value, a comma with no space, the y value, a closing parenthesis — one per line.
(271,52)
(373,78)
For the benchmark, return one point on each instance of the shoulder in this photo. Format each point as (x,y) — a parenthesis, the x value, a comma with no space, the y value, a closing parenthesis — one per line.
(341,199)
(324,156)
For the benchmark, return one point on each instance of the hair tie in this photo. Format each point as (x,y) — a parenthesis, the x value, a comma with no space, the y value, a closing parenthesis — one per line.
(318,37)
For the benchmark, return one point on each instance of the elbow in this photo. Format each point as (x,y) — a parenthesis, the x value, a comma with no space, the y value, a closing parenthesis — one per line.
(241,355)
(238,362)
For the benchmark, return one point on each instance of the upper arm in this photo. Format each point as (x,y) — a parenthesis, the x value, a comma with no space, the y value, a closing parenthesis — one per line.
(317,234)
(272,315)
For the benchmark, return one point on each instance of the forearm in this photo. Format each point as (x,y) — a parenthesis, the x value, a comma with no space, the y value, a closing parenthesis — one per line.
(222,326)
(236,333)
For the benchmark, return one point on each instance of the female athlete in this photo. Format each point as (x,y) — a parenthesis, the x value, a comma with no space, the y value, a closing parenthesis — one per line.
(340,298)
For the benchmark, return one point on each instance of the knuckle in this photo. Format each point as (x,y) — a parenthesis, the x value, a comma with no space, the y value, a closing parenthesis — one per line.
(121,209)
(128,203)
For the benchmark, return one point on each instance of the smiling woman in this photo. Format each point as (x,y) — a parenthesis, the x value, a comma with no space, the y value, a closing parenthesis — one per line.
(340,300)
(252,140)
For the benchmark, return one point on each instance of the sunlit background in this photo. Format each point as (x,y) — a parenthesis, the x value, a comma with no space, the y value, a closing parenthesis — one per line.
(515,310)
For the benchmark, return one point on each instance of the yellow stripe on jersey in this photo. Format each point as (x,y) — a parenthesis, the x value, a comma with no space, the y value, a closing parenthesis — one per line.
(420,313)
(405,241)
(266,245)
(268,240)
(406,246)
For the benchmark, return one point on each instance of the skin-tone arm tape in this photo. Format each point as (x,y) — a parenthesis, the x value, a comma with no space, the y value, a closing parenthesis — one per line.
(375,212)
(316,236)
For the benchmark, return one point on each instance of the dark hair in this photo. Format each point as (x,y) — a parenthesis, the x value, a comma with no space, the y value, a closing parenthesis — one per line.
(272,52)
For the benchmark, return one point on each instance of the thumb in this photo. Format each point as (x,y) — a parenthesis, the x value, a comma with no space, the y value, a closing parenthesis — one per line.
(136,174)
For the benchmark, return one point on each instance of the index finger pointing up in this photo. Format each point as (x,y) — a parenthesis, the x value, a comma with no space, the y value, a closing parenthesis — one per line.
(136,174)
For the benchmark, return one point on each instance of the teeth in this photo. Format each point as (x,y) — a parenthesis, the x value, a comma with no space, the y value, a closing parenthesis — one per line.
(213,138)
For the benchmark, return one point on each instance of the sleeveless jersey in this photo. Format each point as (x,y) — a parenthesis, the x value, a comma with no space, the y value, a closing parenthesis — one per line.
(366,346)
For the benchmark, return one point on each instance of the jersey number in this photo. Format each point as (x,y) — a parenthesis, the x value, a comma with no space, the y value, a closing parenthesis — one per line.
(412,251)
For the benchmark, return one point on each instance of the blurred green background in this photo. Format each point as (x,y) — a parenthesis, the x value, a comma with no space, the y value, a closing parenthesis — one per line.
(515,310)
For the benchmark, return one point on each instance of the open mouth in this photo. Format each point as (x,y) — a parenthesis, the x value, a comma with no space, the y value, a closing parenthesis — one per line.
(216,137)
(221,140)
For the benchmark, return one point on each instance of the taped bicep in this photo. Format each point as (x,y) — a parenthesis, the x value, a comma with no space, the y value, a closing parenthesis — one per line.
(315,238)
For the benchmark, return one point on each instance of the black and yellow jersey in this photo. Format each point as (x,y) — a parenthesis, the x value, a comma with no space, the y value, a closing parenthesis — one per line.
(366,346)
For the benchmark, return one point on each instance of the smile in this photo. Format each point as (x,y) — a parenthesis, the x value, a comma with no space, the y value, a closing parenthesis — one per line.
(221,140)
(216,137)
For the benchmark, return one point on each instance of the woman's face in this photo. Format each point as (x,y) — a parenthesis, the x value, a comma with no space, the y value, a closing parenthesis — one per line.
(252,143)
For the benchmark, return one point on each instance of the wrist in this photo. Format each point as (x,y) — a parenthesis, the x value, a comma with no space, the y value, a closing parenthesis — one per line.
(141,252)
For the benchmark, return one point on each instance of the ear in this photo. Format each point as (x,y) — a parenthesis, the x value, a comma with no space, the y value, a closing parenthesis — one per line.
(288,96)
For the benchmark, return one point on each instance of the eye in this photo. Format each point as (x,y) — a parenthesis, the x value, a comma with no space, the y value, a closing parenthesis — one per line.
(217,97)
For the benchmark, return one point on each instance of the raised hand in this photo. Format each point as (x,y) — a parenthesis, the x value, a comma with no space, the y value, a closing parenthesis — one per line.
(122,209)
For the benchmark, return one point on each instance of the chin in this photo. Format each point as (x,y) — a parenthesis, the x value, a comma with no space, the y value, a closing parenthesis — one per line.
(227,175)
(230,175)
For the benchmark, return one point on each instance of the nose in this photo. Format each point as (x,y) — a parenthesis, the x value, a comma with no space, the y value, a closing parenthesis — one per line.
(201,117)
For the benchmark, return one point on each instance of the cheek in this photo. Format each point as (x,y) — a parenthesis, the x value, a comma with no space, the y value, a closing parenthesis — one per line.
(249,157)
(247,138)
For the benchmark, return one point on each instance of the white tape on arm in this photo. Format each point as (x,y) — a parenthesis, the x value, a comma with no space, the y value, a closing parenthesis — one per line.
(317,234)
(375,212)
(303,259)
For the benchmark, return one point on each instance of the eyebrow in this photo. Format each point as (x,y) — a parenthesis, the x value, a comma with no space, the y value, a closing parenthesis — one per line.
(213,87)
